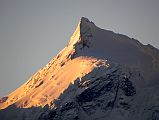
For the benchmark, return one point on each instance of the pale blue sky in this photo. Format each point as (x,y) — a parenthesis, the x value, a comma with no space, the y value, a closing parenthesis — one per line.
(34,31)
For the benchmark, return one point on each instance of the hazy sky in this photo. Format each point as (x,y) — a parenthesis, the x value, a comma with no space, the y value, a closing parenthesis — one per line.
(34,31)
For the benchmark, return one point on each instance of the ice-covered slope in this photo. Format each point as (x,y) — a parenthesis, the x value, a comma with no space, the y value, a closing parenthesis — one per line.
(98,75)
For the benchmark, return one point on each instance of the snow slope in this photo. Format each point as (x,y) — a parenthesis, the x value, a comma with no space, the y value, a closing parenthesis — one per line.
(98,75)
(118,48)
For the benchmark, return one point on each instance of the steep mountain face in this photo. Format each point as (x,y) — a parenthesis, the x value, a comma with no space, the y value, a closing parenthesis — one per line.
(99,75)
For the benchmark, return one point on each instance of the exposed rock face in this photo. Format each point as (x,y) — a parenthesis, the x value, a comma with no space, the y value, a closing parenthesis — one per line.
(98,95)
(99,75)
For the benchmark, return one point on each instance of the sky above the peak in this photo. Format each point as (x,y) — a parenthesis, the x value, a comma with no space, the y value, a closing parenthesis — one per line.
(32,32)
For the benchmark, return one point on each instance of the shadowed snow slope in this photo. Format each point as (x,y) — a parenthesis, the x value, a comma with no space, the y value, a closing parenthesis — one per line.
(98,75)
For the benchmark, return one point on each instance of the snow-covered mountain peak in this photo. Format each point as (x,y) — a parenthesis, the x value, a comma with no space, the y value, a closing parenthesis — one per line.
(82,32)
(92,41)
(98,75)
(85,24)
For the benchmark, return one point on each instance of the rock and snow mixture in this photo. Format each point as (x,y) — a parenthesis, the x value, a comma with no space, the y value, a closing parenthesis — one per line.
(99,75)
